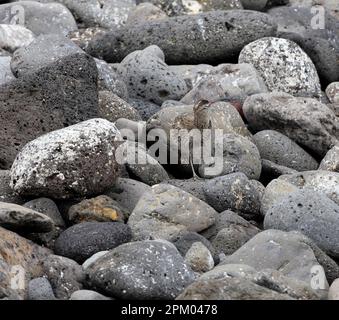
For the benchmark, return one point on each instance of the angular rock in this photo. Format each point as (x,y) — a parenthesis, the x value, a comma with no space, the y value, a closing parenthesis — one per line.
(228,31)
(142,270)
(279,149)
(13,37)
(75,161)
(283,65)
(304,120)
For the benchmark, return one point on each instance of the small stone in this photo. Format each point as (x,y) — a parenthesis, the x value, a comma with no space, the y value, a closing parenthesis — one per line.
(82,240)
(99,209)
(6,192)
(332,92)
(40,289)
(13,37)
(142,270)
(93,259)
(146,109)
(283,65)
(83,295)
(331,160)
(199,258)
(333,293)
(192,186)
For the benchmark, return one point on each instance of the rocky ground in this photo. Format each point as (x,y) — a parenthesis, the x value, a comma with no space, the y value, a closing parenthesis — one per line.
(76,224)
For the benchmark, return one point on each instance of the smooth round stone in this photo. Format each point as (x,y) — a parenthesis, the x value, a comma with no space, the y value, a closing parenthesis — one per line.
(199,258)
(332,92)
(93,259)
(40,289)
(84,295)
(82,240)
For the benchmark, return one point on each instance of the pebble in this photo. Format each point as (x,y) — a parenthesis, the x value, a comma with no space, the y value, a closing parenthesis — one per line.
(199,258)
(330,161)
(142,270)
(332,92)
(84,295)
(82,240)
(75,161)
(91,260)
(40,289)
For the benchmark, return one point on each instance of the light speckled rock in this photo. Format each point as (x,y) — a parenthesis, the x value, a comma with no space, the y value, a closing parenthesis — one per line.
(6,74)
(332,92)
(142,270)
(311,213)
(191,37)
(279,149)
(304,120)
(148,77)
(40,289)
(283,65)
(324,182)
(333,293)
(331,160)
(83,295)
(166,211)
(231,82)
(234,192)
(40,18)
(13,37)
(18,218)
(74,161)
(199,258)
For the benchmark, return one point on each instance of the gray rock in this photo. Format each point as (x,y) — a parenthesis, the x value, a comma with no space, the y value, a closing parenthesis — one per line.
(191,37)
(324,182)
(283,65)
(145,12)
(18,218)
(332,92)
(83,295)
(75,161)
(59,94)
(142,270)
(13,36)
(331,160)
(199,258)
(239,155)
(333,293)
(167,211)
(148,77)
(192,186)
(271,170)
(127,192)
(145,108)
(304,120)
(83,36)
(6,74)
(112,108)
(231,82)
(91,260)
(6,192)
(64,274)
(279,149)
(40,289)
(82,240)
(234,192)
(311,213)
(257,5)
(40,18)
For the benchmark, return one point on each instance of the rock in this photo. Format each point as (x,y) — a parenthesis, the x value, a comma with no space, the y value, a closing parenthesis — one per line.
(257,5)
(279,149)
(330,161)
(332,92)
(6,74)
(109,80)
(93,259)
(166,211)
(13,36)
(230,232)
(220,115)
(142,270)
(234,192)
(199,258)
(82,240)
(6,193)
(59,94)
(112,108)
(230,82)
(271,170)
(277,250)
(20,257)
(306,121)
(229,289)
(239,155)
(83,36)
(148,77)
(311,213)
(40,18)
(99,209)
(333,293)
(316,32)
(18,218)
(127,192)
(146,109)
(87,295)
(40,289)
(323,182)
(64,274)
(192,186)
(230,271)
(228,31)
(75,161)
(283,65)
(145,12)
